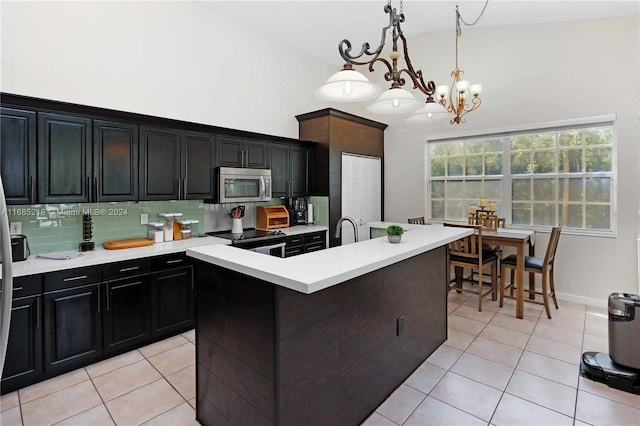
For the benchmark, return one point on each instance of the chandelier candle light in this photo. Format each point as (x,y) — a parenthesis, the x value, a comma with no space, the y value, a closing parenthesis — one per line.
(458,95)
(348,85)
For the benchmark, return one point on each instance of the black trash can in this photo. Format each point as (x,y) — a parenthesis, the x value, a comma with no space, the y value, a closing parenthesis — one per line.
(624,329)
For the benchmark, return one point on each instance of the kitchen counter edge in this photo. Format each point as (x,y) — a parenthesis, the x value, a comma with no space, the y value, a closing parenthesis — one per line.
(315,271)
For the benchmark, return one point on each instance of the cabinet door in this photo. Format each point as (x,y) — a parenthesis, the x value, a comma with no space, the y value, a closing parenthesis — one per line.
(64,158)
(72,328)
(18,155)
(255,154)
(159,164)
(172,301)
(198,165)
(278,162)
(238,152)
(298,168)
(23,362)
(115,161)
(126,313)
(230,151)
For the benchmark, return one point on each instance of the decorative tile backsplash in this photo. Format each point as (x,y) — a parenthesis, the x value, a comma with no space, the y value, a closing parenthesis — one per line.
(58,227)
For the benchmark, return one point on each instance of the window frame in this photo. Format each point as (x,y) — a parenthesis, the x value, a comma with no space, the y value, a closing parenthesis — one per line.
(507,178)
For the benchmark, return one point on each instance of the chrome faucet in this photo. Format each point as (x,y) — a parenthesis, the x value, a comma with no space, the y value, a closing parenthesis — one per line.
(352,221)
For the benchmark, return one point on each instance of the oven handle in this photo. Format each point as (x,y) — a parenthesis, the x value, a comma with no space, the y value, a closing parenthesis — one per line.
(267,249)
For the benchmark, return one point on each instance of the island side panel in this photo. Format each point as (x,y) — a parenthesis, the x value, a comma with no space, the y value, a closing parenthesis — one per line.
(234,348)
(340,355)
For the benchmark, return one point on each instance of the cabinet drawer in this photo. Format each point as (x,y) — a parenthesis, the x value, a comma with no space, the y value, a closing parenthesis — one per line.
(127,268)
(72,278)
(293,251)
(295,240)
(315,237)
(314,246)
(169,261)
(26,286)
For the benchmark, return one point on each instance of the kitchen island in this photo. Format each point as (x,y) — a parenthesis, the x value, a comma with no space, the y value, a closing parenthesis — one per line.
(320,338)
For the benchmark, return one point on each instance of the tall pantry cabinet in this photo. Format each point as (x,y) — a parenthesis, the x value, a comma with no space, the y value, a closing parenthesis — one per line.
(335,132)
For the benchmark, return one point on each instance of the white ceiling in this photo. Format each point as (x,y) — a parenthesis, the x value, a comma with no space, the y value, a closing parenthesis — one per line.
(318,26)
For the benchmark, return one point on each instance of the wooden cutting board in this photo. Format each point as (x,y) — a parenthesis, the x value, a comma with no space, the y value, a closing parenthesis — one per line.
(128,243)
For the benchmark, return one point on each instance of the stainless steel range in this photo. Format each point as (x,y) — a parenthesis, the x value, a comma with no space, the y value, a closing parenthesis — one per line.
(267,242)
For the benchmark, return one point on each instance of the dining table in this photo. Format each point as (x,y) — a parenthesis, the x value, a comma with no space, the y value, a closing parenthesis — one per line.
(520,239)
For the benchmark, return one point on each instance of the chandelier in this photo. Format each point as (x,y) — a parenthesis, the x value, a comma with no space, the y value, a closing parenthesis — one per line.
(457,103)
(349,85)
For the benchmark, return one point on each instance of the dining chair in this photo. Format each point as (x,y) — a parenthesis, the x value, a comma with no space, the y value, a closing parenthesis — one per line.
(416,221)
(537,265)
(467,252)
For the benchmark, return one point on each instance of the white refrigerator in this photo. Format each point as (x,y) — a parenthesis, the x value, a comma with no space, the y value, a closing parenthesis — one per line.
(6,296)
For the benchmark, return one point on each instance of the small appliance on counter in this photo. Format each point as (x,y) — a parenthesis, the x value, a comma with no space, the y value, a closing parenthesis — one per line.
(19,247)
(272,217)
(300,211)
(87,229)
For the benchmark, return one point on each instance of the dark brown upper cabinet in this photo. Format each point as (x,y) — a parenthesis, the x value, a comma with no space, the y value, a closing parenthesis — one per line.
(239,152)
(289,170)
(176,165)
(159,164)
(198,166)
(18,155)
(64,159)
(115,161)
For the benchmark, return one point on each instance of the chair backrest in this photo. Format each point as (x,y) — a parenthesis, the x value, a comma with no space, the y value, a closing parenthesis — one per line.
(467,249)
(550,255)
(416,220)
(488,221)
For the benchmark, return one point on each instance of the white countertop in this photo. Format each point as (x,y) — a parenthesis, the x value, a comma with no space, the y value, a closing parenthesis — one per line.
(101,255)
(311,272)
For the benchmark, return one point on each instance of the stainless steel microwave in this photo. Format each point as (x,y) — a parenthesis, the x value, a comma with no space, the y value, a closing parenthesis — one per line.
(240,185)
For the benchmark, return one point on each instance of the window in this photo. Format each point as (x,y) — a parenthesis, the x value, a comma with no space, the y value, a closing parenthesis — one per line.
(544,177)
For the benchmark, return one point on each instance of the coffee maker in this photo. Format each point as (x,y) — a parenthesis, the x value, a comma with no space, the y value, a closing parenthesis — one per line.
(300,211)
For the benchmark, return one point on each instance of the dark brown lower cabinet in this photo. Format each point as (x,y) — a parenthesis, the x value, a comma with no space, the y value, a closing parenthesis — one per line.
(23,361)
(126,313)
(72,328)
(273,356)
(171,296)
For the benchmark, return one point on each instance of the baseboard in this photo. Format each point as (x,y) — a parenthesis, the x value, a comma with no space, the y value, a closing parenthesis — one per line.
(603,303)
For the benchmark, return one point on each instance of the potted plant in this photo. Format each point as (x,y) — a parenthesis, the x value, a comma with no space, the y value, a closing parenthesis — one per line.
(394,233)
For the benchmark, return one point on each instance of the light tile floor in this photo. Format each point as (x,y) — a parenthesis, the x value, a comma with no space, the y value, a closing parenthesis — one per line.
(494,369)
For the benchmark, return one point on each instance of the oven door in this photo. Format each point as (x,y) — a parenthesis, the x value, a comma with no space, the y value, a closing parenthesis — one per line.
(272,249)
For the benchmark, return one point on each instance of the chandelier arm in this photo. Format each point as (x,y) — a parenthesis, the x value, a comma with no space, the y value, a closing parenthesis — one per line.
(428,88)
(344,47)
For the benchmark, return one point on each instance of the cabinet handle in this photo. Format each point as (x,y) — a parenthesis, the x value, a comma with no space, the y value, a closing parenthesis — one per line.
(17,288)
(184,188)
(89,188)
(32,192)
(133,268)
(174,261)
(107,296)
(95,193)
(38,312)
(81,277)
(179,189)
(99,299)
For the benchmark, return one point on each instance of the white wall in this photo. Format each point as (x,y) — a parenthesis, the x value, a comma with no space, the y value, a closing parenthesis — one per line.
(179,60)
(535,74)
(167,59)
